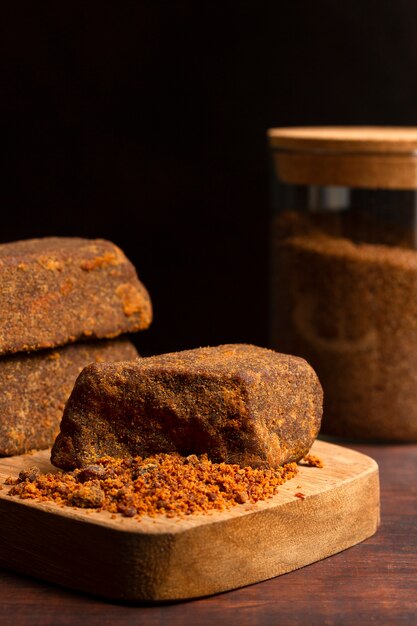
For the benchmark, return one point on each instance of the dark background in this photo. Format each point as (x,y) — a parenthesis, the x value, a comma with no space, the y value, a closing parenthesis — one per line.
(144,123)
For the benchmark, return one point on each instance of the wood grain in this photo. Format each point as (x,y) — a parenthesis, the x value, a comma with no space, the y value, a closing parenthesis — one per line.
(373,582)
(163,559)
(370,139)
(365,157)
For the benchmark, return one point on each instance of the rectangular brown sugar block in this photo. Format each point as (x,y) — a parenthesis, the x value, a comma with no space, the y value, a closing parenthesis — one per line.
(56,290)
(34,389)
(237,403)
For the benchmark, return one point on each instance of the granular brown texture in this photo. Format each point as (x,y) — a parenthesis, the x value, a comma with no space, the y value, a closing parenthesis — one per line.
(350,309)
(237,403)
(164,484)
(56,290)
(35,386)
(311,461)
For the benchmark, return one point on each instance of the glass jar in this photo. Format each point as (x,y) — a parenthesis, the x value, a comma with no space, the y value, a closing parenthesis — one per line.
(344,271)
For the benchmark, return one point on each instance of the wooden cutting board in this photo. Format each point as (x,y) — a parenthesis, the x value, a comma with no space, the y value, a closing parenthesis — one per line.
(170,559)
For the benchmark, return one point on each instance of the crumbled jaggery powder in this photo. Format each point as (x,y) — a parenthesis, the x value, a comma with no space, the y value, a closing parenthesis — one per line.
(299,495)
(345,300)
(164,484)
(311,461)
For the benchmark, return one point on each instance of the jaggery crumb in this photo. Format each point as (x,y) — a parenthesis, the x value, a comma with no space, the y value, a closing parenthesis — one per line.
(90,472)
(29,475)
(164,484)
(311,461)
(88,495)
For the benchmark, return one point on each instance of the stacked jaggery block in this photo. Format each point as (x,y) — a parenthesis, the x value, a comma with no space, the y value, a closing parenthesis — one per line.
(34,389)
(57,290)
(54,293)
(236,403)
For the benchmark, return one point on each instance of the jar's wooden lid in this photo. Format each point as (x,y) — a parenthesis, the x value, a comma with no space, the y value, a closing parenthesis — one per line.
(373,157)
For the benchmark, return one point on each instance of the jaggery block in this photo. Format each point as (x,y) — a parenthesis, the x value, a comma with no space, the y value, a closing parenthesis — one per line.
(56,290)
(34,389)
(237,403)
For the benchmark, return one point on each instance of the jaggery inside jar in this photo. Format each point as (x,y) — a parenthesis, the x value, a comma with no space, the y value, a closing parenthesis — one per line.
(163,484)
(350,309)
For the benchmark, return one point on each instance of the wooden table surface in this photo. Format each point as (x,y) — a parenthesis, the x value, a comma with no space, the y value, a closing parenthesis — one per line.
(374,582)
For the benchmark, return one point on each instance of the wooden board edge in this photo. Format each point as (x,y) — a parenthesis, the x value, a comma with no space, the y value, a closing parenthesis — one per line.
(285,541)
(200,561)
